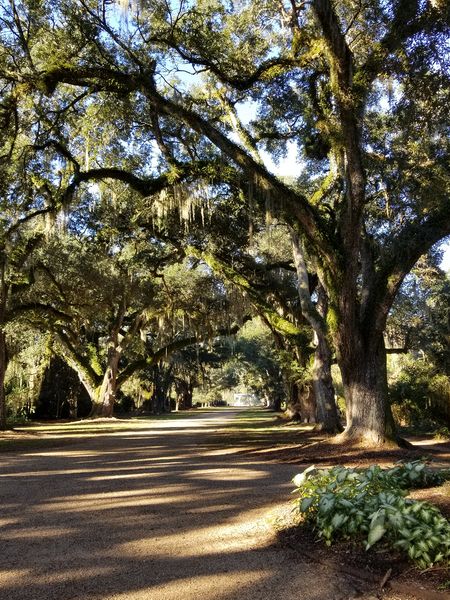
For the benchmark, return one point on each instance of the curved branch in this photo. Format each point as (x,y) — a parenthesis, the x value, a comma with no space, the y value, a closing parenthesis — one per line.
(79,362)
(295,203)
(245,284)
(38,307)
(166,351)
(145,187)
(240,83)
(399,258)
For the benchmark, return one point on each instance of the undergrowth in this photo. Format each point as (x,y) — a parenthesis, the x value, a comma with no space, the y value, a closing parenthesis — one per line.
(370,505)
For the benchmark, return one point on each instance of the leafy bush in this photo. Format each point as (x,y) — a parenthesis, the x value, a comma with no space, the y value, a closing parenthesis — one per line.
(443,433)
(420,395)
(370,503)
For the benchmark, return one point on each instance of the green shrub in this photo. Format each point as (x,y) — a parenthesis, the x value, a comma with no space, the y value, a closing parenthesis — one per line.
(420,396)
(370,504)
(443,433)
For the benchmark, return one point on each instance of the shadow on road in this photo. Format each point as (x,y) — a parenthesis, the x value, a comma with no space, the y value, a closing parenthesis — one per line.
(158,513)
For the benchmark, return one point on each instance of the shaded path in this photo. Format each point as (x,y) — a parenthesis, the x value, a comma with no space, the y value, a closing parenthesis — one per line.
(158,513)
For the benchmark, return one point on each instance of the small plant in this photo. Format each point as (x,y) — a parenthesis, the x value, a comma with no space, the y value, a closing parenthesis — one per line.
(443,433)
(370,504)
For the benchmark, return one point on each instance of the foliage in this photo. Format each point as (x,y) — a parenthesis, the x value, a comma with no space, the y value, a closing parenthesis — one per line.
(248,363)
(443,433)
(420,395)
(370,503)
(158,103)
(419,379)
(29,356)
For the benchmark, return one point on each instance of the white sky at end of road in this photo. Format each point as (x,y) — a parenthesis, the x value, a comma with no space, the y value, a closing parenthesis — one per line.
(445,264)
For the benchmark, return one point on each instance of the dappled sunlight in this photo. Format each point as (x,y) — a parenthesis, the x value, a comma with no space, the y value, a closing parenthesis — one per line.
(232,474)
(128,471)
(243,532)
(40,533)
(106,501)
(202,509)
(143,518)
(128,475)
(193,588)
(12,576)
(429,442)
(63,453)
(73,575)
(222,451)
(8,522)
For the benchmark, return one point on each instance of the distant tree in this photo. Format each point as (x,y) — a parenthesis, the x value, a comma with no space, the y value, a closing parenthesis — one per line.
(28,203)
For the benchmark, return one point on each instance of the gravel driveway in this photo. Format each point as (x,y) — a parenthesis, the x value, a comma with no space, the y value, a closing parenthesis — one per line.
(158,513)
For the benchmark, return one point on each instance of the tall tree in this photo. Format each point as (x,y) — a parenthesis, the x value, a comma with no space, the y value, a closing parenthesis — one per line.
(28,203)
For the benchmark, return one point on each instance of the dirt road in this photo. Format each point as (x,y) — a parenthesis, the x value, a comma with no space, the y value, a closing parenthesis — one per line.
(157,513)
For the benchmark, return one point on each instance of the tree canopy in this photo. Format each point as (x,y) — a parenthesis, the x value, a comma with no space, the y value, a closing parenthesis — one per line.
(179,100)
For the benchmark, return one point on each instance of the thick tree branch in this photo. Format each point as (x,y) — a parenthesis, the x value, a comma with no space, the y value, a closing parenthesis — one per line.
(240,83)
(38,307)
(266,183)
(79,361)
(309,311)
(399,258)
(350,110)
(335,38)
(263,181)
(166,351)
(245,284)
(145,187)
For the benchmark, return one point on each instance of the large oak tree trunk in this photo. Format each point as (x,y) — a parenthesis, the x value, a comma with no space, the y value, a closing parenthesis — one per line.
(301,405)
(326,410)
(161,388)
(326,416)
(364,376)
(184,390)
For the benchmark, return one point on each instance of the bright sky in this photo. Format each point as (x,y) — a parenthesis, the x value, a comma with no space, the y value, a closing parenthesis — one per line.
(445,264)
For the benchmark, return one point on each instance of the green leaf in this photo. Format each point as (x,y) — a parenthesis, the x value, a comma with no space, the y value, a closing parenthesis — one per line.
(305,504)
(375,534)
(338,520)
(342,476)
(377,530)
(326,504)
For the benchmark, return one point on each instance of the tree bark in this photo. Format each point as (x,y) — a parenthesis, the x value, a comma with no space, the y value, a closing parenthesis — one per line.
(301,405)
(292,411)
(105,396)
(327,414)
(364,376)
(184,390)
(161,386)
(327,417)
